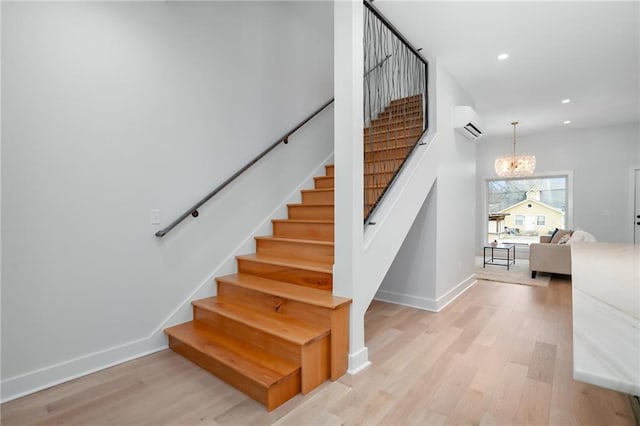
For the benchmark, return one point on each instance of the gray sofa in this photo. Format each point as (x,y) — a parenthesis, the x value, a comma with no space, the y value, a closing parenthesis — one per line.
(547,257)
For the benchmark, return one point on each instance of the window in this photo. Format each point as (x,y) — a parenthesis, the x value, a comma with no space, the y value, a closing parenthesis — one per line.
(520,210)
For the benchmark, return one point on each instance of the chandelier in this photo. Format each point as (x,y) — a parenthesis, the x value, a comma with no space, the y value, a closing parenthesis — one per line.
(515,165)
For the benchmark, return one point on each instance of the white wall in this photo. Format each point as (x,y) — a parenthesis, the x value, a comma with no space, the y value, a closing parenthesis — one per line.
(411,279)
(436,261)
(599,159)
(110,110)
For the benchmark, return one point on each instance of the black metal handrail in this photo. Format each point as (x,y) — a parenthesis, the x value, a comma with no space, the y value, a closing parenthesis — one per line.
(378,65)
(193,211)
(395,31)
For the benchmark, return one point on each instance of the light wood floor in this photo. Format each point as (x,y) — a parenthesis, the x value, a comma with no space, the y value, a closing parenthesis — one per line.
(500,354)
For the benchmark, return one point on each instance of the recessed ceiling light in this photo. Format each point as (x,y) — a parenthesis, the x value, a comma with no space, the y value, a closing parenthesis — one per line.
(566,122)
(503,56)
(565,101)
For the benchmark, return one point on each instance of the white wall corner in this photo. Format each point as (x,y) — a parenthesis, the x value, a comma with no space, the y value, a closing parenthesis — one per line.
(455,292)
(426,303)
(412,301)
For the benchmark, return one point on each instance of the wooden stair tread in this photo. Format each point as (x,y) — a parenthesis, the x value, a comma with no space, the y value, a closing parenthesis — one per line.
(415,125)
(286,328)
(309,221)
(318,189)
(308,205)
(399,113)
(391,148)
(289,263)
(260,366)
(293,240)
(380,186)
(411,98)
(397,158)
(311,296)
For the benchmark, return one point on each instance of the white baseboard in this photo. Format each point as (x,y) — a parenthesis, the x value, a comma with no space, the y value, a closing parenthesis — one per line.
(53,375)
(37,380)
(358,361)
(456,292)
(425,303)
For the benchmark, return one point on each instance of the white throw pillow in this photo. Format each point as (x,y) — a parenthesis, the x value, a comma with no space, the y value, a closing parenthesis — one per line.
(580,236)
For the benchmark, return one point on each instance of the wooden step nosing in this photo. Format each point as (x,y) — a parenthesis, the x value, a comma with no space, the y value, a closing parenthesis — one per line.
(311,334)
(295,241)
(285,262)
(317,190)
(400,134)
(328,301)
(305,221)
(308,205)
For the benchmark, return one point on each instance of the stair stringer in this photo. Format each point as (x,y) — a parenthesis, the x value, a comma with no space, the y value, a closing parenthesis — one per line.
(395,216)
(393,219)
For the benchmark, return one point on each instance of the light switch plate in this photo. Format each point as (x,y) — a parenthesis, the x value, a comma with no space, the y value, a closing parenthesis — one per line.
(155,216)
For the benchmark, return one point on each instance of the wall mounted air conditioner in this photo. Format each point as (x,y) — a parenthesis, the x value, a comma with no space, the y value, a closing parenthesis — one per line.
(467,122)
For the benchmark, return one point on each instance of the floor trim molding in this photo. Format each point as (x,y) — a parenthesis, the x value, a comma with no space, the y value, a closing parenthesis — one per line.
(358,361)
(425,303)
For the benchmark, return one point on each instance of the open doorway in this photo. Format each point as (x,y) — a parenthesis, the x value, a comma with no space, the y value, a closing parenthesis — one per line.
(520,210)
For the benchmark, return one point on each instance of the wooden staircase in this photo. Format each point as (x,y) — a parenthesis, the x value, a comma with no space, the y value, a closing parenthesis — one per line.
(388,141)
(275,329)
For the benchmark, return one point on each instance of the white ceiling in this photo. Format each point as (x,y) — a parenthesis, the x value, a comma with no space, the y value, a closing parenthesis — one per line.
(582,50)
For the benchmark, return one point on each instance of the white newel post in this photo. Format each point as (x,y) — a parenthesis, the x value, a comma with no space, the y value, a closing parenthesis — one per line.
(348,124)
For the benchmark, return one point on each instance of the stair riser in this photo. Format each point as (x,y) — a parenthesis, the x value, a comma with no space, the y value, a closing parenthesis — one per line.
(371,195)
(388,166)
(392,135)
(402,103)
(272,344)
(295,250)
(387,154)
(304,231)
(413,98)
(401,116)
(399,143)
(415,103)
(413,114)
(306,278)
(317,197)
(399,125)
(323,182)
(286,308)
(395,109)
(311,212)
(379,179)
(329,170)
(273,397)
